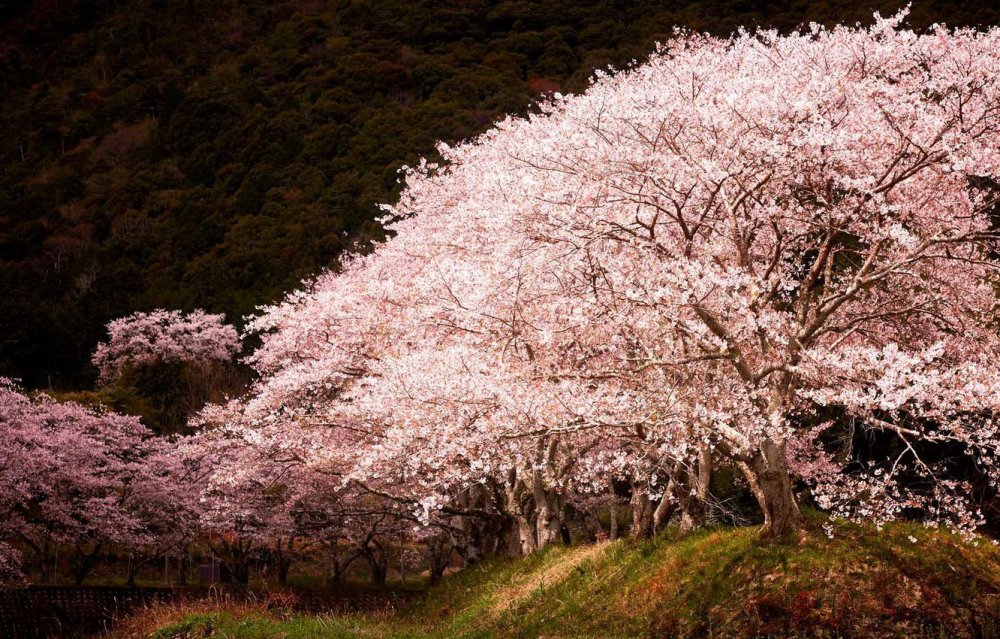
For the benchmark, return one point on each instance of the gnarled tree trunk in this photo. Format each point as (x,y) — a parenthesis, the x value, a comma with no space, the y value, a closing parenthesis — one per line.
(771,483)
(375,555)
(643,509)
(549,506)
(439,551)
(84,563)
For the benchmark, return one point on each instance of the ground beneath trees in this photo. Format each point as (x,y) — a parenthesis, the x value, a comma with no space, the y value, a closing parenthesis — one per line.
(904,582)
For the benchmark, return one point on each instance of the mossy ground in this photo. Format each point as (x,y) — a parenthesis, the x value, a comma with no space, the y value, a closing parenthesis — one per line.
(905,581)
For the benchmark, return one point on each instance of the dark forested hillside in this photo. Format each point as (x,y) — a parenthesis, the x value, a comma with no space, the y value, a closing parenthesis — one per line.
(211,153)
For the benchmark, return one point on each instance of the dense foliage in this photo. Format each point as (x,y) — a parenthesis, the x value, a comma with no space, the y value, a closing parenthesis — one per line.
(745,252)
(74,476)
(146,339)
(209,153)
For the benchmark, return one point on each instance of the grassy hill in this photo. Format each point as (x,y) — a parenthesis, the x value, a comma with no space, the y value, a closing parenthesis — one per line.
(904,582)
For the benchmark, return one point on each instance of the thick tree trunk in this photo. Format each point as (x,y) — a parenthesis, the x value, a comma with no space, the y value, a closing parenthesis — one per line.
(519,507)
(470,545)
(526,541)
(44,554)
(476,535)
(771,483)
(438,557)
(378,572)
(84,564)
(548,520)
(377,558)
(437,572)
(548,502)
(642,512)
(241,573)
(753,484)
(133,568)
(533,500)
(282,557)
(666,508)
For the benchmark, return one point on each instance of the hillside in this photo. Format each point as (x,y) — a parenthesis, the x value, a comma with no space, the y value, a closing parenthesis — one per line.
(906,582)
(211,153)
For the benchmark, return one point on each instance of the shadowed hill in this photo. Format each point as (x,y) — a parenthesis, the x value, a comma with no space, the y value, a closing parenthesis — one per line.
(210,153)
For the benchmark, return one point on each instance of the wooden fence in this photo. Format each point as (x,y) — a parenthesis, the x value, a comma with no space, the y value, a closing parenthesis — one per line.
(70,612)
(27,613)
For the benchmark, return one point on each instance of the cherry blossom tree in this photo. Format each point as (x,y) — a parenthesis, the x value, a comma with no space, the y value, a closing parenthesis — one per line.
(754,253)
(166,365)
(827,243)
(725,255)
(787,223)
(164,336)
(166,498)
(72,476)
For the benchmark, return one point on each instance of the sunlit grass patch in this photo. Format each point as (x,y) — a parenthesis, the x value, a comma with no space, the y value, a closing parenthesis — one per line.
(905,581)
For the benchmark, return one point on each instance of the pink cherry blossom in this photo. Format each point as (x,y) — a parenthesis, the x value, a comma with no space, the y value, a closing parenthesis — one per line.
(143,338)
(681,264)
(72,475)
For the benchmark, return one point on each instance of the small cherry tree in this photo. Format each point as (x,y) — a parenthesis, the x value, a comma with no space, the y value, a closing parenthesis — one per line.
(172,360)
(142,339)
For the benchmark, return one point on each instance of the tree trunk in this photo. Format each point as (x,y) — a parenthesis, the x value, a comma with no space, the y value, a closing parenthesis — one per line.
(241,573)
(470,548)
(235,557)
(438,557)
(340,565)
(84,564)
(42,551)
(282,557)
(437,572)
(377,558)
(516,505)
(642,512)
(182,568)
(133,567)
(665,509)
(613,516)
(694,507)
(378,571)
(772,485)
(44,554)
(283,564)
(548,520)
(527,543)
(547,500)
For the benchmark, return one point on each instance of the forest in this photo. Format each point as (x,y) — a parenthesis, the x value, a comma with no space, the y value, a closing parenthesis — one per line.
(188,154)
(596,297)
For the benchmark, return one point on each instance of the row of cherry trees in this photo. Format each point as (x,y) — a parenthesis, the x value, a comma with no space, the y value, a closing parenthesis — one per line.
(772,257)
(757,253)
(92,481)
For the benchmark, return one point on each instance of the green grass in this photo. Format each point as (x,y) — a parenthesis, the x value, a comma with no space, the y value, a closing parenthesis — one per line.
(714,583)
